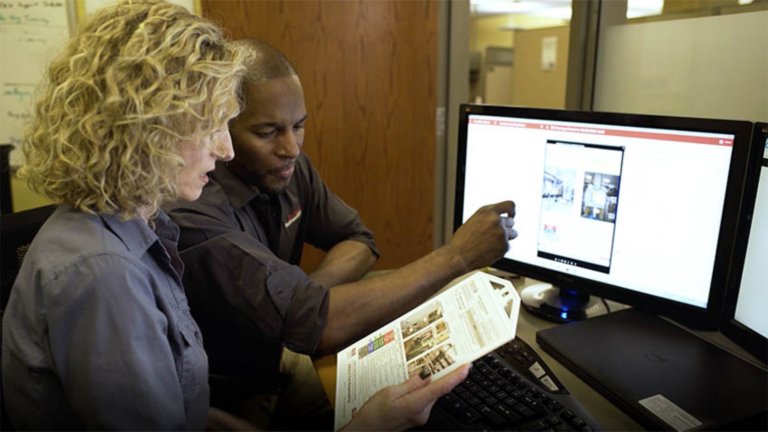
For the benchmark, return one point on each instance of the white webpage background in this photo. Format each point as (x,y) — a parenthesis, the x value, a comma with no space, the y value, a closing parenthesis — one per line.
(752,303)
(669,212)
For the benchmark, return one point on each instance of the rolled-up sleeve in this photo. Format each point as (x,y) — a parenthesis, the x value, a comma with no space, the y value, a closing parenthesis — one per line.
(236,278)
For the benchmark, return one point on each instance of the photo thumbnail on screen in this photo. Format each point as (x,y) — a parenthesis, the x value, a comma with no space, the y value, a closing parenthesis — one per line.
(579,203)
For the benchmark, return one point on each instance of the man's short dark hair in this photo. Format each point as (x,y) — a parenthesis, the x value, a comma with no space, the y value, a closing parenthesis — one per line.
(266,62)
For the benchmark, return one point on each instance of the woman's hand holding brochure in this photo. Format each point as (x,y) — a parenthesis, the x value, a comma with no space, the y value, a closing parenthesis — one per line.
(468,319)
(405,405)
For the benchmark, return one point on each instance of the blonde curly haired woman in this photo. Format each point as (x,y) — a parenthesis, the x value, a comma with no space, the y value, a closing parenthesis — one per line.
(97,333)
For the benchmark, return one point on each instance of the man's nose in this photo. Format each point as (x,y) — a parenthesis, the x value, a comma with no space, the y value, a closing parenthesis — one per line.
(289,146)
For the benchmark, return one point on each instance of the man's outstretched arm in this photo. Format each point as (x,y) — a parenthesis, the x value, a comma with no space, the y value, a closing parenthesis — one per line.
(357,308)
(346,262)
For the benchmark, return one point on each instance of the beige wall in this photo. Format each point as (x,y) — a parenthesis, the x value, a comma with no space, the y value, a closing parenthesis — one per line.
(23,198)
(485,32)
(675,6)
(534,86)
(531,86)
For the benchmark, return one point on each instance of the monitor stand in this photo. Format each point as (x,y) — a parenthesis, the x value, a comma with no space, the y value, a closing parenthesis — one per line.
(560,304)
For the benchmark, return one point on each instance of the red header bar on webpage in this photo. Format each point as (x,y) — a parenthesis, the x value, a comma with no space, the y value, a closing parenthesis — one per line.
(661,136)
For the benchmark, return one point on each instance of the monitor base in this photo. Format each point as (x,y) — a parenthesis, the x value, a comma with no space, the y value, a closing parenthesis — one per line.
(554,304)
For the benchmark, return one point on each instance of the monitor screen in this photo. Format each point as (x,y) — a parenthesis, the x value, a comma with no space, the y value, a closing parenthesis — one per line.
(637,209)
(745,317)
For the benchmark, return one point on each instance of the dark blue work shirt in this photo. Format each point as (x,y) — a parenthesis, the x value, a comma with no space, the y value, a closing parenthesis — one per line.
(98,334)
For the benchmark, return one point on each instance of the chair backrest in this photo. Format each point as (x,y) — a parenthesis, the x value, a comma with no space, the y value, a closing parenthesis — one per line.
(16,233)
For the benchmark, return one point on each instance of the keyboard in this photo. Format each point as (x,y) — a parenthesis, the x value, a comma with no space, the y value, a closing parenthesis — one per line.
(510,389)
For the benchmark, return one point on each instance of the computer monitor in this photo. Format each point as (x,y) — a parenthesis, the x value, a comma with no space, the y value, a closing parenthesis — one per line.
(745,320)
(634,208)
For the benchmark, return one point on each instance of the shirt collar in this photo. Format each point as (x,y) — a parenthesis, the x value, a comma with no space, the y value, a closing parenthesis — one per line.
(137,235)
(237,191)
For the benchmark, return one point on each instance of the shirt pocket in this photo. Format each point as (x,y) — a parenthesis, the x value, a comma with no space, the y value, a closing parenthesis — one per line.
(194,362)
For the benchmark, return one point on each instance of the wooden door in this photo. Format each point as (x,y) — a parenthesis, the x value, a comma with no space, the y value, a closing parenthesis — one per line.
(369,74)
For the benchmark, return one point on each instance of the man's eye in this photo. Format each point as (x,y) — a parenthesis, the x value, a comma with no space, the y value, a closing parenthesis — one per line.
(265,133)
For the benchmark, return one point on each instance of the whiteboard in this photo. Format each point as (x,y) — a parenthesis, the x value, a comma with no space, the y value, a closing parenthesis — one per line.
(31,33)
(88,6)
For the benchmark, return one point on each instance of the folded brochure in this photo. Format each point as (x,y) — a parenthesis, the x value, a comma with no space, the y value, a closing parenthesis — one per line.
(466,320)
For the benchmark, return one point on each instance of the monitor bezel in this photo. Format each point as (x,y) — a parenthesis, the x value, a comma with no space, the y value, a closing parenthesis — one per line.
(696,317)
(751,341)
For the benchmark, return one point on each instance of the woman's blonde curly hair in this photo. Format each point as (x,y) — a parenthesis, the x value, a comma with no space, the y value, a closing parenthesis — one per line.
(136,80)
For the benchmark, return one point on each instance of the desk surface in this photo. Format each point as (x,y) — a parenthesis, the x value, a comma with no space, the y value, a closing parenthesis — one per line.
(607,415)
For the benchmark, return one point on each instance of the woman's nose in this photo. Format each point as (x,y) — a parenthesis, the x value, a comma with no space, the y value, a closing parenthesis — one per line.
(222,146)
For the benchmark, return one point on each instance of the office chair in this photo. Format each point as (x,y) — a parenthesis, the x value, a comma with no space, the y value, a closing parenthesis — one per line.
(16,233)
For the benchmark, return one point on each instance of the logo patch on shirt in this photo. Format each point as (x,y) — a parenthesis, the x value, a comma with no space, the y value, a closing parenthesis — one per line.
(293,217)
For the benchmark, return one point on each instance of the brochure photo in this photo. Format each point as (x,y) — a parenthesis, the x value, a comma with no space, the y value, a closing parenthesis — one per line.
(463,322)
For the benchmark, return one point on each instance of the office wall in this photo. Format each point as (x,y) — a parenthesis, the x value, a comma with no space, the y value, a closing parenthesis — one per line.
(488,31)
(24,198)
(369,75)
(485,32)
(702,67)
(535,84)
